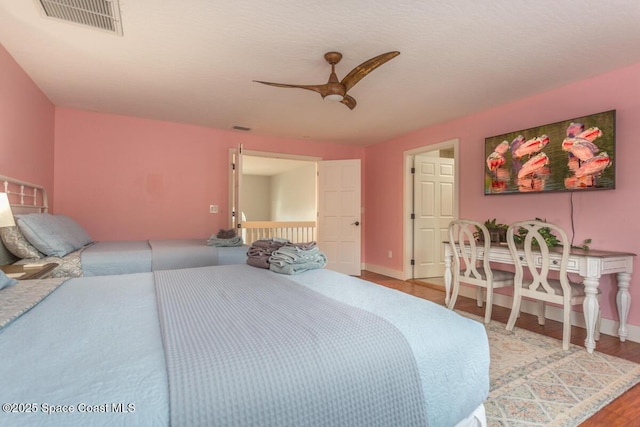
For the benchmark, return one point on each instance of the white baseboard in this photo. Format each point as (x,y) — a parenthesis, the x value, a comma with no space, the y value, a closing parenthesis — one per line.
(607,326)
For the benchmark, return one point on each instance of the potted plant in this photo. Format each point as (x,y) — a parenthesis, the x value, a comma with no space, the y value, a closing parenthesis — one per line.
(497,231)
(549,238)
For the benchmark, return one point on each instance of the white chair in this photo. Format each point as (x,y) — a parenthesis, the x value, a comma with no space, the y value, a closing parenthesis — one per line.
(533,260)
(471,263)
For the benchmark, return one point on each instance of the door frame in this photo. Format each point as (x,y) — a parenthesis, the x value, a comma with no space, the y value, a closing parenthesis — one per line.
(266,154)
(408,205)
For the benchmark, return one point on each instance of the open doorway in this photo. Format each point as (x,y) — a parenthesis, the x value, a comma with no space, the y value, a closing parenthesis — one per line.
(273,195)
(277,189)
(282,188)
(430,203)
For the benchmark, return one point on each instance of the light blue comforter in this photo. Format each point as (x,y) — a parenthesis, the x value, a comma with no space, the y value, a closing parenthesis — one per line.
(240,342)
(118,257)
(95,343)
(141,256)
(452,351)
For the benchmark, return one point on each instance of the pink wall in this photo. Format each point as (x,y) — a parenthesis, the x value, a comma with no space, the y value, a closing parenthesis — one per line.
(126,178)
(129,178)
(609,218)
(26,126)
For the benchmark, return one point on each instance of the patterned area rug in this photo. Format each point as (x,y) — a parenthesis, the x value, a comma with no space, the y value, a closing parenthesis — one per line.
(535,383)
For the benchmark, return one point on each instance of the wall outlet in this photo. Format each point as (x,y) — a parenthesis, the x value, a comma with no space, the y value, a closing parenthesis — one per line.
(213,208)
(390,254)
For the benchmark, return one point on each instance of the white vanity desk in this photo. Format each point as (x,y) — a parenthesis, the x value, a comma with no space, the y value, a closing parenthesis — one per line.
(590,265)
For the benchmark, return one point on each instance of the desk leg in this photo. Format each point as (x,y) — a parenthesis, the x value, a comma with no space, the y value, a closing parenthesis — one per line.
(447,279)
(591,309)
(623,301)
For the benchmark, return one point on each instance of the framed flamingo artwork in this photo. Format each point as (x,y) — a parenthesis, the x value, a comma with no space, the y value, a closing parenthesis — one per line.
(572,155)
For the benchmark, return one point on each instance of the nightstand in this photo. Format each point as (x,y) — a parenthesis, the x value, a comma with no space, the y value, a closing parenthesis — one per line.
(29,271)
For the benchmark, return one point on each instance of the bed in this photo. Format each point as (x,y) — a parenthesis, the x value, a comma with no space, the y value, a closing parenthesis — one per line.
(40,237)
(237,345)
(140,256)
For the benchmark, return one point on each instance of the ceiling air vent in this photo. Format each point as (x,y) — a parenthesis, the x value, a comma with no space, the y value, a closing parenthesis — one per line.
(100,14)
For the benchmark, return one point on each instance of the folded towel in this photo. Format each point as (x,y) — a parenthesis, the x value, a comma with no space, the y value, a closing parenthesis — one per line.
(297,268)
(258,261)
(294,258)
(226,234)
(274,243)
(215,241)
(293,255)
(259,252)
(304,246)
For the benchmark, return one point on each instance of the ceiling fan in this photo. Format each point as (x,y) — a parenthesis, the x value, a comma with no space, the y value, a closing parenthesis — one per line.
(335,90)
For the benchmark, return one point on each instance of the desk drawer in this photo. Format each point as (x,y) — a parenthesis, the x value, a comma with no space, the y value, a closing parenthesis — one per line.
(554,262)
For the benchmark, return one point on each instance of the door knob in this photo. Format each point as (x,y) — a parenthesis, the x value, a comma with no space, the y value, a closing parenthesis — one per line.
(356,223)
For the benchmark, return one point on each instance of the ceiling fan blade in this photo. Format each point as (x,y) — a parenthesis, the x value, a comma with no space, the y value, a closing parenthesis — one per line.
(365,68)
(315,88)
(349,102)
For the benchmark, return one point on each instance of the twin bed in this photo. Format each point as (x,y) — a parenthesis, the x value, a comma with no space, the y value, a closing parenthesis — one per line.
(141,256)
(235,345)
(40,237)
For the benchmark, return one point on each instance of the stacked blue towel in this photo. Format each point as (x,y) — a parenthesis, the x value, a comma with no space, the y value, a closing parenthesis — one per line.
(260,251)
(233,241)
(294,258)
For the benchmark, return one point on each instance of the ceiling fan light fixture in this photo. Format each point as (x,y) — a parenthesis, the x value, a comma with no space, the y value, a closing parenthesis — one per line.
(334,97)
(335,90)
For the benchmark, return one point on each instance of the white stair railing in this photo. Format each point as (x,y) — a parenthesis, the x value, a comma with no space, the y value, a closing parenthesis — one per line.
(294,231)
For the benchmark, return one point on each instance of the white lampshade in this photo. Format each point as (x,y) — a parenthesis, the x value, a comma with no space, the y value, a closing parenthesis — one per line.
(334,97)
(6,216)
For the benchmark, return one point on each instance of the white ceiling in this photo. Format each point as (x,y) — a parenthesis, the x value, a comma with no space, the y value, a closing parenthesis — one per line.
(193,61)
(269,166)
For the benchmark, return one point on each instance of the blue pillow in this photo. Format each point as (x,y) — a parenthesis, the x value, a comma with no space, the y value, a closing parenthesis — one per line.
(74,233)
(53,235)
(6,281)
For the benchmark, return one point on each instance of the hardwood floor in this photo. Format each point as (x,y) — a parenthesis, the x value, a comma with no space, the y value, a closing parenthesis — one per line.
(622,412)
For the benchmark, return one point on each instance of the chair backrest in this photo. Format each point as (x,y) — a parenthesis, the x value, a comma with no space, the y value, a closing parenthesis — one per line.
(535,257)
(463,234)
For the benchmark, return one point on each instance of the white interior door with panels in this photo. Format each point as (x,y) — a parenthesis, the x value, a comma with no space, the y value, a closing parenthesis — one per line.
(434,195)
(339,231)
(423,195)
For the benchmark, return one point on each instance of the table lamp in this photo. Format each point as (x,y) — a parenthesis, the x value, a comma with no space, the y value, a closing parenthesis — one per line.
(6,216)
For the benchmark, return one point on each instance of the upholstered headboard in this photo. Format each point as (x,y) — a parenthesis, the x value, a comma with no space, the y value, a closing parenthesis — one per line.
(24,197)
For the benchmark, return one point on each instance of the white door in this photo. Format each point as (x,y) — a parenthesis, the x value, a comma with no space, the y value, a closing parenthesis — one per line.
(339,214)
(236,188)
(434,209)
